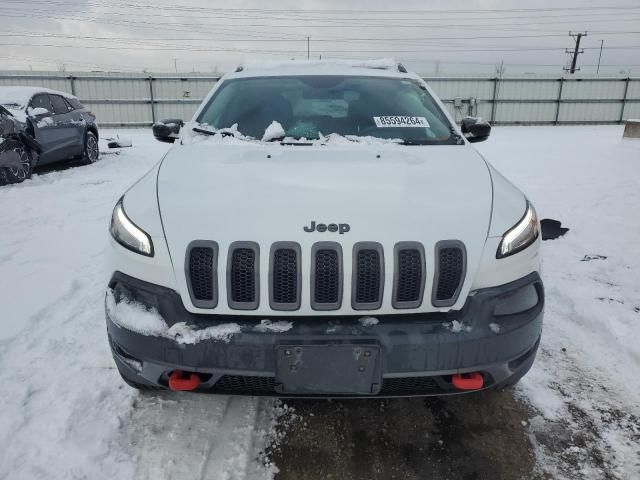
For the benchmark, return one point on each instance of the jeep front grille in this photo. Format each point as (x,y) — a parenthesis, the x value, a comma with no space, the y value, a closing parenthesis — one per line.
(321,281)
(201,267)
(285,276)
(243,281)
(451,264)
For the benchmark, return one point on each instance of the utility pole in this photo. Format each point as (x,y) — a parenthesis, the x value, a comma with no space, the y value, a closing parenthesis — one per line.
(600,57)
(308,51)
(175,64)
(576,51)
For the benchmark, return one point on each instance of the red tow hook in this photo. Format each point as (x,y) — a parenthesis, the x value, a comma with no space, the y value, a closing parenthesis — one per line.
(183,381)
(467,381)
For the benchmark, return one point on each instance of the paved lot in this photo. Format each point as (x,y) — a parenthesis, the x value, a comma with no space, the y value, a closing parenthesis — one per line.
(482,436)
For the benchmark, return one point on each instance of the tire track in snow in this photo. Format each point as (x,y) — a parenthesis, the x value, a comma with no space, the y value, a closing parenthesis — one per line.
(198,436)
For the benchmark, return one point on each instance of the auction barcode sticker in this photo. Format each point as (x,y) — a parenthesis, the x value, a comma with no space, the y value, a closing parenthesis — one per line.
(396,121)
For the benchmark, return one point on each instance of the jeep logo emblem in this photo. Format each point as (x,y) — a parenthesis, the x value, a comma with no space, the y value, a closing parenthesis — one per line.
(332,227)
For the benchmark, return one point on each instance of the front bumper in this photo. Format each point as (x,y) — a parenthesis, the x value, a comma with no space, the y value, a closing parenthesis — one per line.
(417,353)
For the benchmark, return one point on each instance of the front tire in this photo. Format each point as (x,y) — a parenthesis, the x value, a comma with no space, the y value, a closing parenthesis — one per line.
(91,151)
(15,173)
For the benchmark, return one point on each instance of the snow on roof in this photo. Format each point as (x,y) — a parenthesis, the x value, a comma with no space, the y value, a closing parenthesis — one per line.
(326,67)
(21,95)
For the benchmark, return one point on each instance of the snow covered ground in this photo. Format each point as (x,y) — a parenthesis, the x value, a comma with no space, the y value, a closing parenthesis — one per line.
(67,415)
(586,380)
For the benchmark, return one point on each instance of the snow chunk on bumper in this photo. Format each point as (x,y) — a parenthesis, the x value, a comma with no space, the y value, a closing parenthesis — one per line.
(274,327)
(137,318)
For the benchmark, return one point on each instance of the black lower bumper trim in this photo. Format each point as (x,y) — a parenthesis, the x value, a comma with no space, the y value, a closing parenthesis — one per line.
(418,352)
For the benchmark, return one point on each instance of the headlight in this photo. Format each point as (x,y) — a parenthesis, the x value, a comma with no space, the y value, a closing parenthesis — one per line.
(127,234)
(521,235)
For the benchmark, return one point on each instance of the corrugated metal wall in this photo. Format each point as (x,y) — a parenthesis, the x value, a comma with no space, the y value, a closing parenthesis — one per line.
(120,99)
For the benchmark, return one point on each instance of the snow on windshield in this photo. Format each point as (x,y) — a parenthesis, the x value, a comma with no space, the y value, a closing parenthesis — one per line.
(308,106)
(274,130)
(231,136)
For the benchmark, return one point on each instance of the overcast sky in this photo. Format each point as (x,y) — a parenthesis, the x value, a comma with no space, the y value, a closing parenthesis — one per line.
(426,35)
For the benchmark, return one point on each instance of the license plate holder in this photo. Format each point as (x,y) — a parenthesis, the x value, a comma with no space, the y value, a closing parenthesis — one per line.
(337,369)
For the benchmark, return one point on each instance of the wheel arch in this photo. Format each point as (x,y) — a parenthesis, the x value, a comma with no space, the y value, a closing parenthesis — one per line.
(93,129)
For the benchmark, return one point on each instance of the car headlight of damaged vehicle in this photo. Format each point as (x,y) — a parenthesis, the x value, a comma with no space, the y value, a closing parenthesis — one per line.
(128,234)
(521,235)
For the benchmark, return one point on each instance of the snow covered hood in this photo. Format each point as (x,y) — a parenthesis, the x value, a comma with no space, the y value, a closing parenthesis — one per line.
(262,193)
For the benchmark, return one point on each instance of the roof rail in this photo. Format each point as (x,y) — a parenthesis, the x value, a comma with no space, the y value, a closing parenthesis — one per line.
(382,64)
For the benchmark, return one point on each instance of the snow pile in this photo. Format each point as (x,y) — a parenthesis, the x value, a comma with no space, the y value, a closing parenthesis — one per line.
(45,122)
(18,113)
(456,326)
(274,130)
(368,321)
(183,333)
(135,317)
(275,327)
(20,96)
(37,111)
(494,327)
(380,64)
(232,136)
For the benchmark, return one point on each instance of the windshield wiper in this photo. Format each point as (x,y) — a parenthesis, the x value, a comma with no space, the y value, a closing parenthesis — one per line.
(416,142)
(282,139)
(224,133)
(454,139)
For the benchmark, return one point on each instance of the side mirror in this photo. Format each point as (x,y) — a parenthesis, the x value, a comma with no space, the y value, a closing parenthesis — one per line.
(475,129)
(167,130)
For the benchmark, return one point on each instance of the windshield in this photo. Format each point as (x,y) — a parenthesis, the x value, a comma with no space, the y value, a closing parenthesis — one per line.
(314,106)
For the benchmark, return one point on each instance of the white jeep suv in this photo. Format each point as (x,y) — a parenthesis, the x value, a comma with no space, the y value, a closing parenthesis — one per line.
(324,229)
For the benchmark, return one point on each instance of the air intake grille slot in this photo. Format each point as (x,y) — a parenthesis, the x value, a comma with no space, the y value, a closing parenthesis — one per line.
(410,386)
(409,275)
(326,276)
(368,275)
(201,272)
(242,279)
(285,276)
(246,385)
(451,268)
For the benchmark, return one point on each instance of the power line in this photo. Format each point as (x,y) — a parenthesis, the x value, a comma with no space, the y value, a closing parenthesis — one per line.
(144,41)
(442,23)
(357,12)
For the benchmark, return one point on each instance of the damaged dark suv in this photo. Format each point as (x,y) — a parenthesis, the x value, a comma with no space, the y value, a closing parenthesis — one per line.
(40,126)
